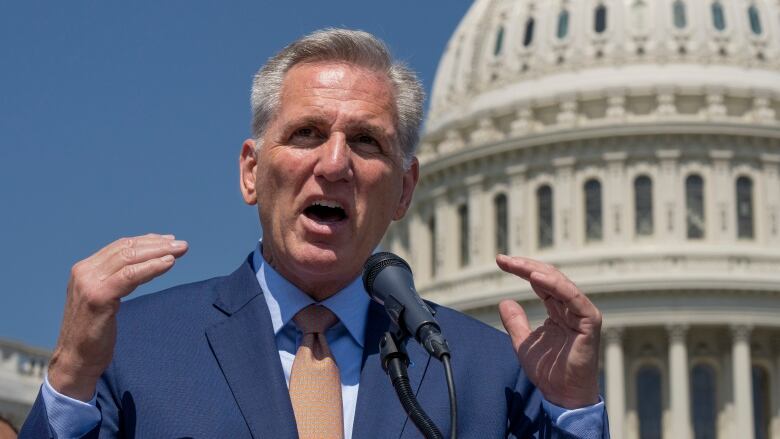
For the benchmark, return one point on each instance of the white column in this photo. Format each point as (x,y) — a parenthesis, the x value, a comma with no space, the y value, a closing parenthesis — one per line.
(770,211)
(721,221)
(418,255)
(742,381)
(616,388)
(679,387)
(443,254)
(613,205)
(518,210)
(564,196)
(477,216)
(669,192)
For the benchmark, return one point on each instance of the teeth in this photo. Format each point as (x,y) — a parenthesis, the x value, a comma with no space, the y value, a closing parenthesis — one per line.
(326,203)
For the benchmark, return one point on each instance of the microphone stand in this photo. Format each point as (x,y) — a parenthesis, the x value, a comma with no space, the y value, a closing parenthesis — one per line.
(395,361)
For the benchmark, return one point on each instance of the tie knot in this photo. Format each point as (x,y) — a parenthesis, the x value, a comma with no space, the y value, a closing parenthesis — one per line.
(315,319)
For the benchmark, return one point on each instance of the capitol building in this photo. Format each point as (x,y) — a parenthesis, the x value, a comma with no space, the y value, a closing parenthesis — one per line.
(22,369)
(635,145)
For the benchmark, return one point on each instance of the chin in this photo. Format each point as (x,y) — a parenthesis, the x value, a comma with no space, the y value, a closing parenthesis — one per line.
(319,259)
(321,272)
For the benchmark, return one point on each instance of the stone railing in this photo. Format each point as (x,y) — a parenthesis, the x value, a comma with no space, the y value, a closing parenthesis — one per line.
(614,108)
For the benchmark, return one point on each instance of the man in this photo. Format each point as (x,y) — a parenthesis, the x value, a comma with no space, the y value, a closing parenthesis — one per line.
(7,429)
(330,165)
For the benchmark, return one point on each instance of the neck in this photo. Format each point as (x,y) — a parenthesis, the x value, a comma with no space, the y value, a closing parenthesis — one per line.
(319,288)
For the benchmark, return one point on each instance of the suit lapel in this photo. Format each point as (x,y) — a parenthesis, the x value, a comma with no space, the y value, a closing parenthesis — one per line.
(245,348)
(378,413)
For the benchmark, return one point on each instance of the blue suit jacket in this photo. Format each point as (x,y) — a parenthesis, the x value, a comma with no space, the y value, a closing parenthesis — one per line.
(200,361)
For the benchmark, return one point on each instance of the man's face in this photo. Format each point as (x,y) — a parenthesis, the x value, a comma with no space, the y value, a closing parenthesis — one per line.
(328,177)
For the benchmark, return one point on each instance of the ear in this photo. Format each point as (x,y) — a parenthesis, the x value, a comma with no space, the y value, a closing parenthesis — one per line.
(247,168)
(410,178)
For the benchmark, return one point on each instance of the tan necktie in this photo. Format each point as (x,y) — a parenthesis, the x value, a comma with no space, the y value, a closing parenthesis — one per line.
(315,385)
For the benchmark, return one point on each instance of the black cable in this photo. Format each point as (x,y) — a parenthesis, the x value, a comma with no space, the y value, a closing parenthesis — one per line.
(453,401)
(403,389)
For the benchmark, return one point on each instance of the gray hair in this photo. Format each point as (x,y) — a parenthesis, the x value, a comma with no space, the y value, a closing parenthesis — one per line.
(350,46)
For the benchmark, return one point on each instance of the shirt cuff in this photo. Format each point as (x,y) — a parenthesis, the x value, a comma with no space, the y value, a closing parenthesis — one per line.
(585,422)
(68,417)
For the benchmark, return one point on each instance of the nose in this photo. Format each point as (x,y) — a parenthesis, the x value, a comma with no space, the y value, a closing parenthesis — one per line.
(334,161)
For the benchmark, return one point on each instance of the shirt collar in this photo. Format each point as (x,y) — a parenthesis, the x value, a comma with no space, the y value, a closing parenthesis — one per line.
(285,299)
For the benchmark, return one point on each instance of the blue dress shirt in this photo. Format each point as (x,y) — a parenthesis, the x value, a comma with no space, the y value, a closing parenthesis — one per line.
(70,418)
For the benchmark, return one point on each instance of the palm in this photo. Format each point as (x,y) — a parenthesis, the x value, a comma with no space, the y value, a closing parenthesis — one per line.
(561,356)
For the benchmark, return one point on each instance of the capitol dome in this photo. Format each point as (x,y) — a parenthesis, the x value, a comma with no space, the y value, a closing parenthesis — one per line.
(635,145)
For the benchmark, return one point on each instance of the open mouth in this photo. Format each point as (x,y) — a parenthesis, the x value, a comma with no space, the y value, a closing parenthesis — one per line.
(325,212)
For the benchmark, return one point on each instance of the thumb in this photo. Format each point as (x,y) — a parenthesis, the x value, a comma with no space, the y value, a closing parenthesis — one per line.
(515,321)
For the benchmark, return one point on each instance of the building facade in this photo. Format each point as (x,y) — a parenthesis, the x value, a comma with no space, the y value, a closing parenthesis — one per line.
(635,145)
(22,369)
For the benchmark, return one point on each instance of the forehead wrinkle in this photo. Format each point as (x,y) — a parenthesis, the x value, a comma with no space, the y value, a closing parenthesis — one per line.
(350,85)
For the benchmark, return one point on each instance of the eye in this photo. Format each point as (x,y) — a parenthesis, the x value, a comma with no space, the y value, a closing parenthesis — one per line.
(365,138)
(306,137)
(366,143)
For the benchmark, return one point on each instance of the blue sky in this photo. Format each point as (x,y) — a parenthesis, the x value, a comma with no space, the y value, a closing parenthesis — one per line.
(121,118)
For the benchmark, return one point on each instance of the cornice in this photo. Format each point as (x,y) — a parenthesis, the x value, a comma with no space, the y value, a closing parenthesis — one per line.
(557,143)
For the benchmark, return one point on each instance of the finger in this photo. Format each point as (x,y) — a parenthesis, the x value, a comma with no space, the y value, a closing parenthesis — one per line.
(564,290)
(124,281)
(139,252)
(120,243)
(554,310)
(564,315)
(540,291)
(515,321)
(522,267)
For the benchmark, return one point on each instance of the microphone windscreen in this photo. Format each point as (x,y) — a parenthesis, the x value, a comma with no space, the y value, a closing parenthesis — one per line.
(376,263)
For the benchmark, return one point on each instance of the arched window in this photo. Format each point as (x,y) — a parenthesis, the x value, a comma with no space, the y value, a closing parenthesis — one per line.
(544,201)
(648,390)
(761,413)
(703,408)
(432,242)
(718,17)
(563,24)
(643,206)
(463,227)
(694,206)
(678,12)
(593,223)
(499,41)
(600,19)
(528,36)
(502,224)
(744,208)
(755,20)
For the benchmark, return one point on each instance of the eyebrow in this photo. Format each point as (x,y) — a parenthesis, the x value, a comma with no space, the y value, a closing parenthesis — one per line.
(370,129)
(307,120)
(359,126)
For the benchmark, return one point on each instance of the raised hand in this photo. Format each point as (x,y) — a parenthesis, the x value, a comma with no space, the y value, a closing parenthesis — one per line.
(561,356)
(96,286)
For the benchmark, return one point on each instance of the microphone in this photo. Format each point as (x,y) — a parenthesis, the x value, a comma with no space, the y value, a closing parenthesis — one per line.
(388,280)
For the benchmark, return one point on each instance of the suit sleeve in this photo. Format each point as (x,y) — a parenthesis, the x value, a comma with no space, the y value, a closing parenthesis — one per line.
(527,417)
(50,420)
(111,425)
(36,426)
